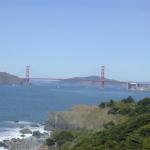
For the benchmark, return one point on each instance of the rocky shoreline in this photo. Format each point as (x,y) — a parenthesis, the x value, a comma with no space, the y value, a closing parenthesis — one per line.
(31,138)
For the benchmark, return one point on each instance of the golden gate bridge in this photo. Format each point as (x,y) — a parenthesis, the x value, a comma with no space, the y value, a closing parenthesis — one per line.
(27,79)
(102,80)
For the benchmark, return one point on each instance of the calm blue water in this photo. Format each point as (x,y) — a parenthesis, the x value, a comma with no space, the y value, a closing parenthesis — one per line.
(33,103)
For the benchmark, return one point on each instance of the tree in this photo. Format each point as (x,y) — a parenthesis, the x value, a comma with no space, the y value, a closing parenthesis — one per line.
(102,105)
(128,100)
(110,103)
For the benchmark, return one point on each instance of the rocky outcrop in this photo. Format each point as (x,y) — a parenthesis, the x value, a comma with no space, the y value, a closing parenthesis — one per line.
(31,143)
(26,131)
(7,143)
(34,142)
(78,118)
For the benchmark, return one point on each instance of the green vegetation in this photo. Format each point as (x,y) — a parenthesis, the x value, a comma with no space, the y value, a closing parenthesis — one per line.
(131,134)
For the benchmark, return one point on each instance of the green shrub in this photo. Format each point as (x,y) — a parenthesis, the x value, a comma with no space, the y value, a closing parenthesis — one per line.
(62,137)
(109,125)
(102,105)
(110,103)
(134,142)
(144,102)
(145,131)
(50,142)
(128,100)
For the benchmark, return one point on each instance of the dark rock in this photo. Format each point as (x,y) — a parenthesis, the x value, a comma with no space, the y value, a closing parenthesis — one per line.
(2,144)
(37,134)
(16,121)
(5,143)
(26,131)
(15,140)
(47,127)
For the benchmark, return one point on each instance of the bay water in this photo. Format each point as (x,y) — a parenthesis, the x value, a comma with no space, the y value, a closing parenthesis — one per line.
(25,104)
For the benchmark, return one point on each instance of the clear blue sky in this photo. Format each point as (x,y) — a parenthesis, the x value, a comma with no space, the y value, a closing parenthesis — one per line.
(64,38)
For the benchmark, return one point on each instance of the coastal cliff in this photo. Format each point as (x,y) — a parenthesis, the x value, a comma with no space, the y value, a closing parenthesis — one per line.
(83,117)
(132,133)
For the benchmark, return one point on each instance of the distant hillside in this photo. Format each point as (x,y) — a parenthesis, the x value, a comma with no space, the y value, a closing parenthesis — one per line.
(8,79)
(89,80)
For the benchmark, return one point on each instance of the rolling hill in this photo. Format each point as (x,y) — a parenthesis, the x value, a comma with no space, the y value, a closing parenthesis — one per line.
(9,79)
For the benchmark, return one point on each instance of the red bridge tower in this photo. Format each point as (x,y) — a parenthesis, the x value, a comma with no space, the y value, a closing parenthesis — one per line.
(102,77)
(27,74)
